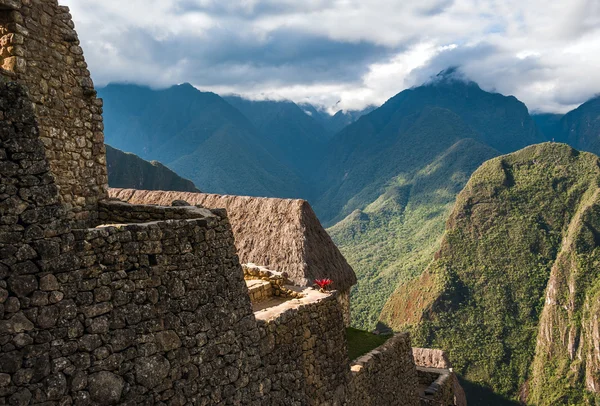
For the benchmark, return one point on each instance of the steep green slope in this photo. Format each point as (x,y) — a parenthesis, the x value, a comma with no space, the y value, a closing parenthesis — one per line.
(367,154)
(394,238)
(127,170)
(200,136)
(482,297)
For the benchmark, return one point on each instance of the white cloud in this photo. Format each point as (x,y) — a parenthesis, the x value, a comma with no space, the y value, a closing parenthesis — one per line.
(546,53)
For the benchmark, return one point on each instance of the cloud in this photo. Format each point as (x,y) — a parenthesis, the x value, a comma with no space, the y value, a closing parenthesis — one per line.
(546,53)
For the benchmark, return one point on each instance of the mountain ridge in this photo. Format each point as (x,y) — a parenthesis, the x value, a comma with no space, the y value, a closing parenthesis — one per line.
(486,290)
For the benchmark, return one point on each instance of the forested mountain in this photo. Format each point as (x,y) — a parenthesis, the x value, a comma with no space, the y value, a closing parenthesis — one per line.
(409,131)
(512,294)
(394,238)
(126,170)
(198,135)
(293,137)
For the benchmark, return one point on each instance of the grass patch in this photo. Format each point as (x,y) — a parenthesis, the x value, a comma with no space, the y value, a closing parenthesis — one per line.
(361,342)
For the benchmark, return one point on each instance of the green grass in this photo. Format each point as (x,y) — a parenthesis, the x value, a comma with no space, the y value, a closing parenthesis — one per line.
(361,342)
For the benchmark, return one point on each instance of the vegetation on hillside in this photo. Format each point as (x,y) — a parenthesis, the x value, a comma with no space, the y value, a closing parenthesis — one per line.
(394,238)
(482,297)
(408,132)
(361,342)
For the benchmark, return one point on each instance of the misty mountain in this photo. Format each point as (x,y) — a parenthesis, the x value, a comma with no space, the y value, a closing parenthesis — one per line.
(200,136)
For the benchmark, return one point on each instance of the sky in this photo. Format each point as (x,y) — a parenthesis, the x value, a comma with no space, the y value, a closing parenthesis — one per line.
(346,54)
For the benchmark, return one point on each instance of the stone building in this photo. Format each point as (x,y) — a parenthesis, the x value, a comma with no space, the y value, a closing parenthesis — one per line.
(40,49)
(103,302)
(281,234)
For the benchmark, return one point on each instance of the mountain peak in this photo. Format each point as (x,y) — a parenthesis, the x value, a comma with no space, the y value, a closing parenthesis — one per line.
(450,76)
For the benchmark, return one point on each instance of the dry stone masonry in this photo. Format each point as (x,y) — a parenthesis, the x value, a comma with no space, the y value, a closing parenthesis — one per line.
(281,234)
(40,49)
(104,302)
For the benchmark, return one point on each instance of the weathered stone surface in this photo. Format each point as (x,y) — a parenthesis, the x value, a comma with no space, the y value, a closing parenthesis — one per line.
(167,340)
(56,386)
(49,283)
(176,203)
(23,285)
(18,323)
(150,371)
(41,50)
(105,388)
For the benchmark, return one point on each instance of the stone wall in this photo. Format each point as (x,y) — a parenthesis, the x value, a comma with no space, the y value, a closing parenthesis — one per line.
(303,347)
(443,386)
(155,311)
(385,376)
(39,48)
(139,313)
(438,385)
(344,300)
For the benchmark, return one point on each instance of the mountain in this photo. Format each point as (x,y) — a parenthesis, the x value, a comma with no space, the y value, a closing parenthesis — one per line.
(294,137)
(344,118)
(198,135)
(394,238)
(126,170)
(393,176)
(580,128)
(549,125)
(408,132)
(512,295)
(335,123)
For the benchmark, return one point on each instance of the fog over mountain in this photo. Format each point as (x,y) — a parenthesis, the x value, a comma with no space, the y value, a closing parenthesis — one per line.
(360,53)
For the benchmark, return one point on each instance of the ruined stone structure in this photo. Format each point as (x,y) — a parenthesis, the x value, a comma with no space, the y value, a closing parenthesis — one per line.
(40,49)
(282,234)
(103,302)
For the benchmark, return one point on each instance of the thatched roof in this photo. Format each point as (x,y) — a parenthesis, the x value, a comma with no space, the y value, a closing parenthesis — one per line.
(282,234)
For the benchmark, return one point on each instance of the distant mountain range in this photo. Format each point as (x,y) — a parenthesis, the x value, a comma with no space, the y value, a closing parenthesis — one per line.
(384,180)
(579,128)
(227,145)
(126,170)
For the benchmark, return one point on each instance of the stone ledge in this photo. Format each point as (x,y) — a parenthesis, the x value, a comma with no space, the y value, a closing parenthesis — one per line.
(310,297)
(10,4)
(362,361)
(114,211)
(282,286)
(442,378)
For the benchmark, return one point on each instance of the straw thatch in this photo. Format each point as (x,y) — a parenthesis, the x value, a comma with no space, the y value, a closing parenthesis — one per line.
(282,234)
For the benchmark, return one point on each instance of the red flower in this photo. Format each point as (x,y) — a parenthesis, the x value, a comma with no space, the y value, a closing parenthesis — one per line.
(323,283)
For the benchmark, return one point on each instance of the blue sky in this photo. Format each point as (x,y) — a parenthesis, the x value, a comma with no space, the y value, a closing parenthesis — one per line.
(546,53)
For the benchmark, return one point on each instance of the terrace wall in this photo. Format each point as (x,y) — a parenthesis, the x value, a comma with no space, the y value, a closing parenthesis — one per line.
(385,376)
